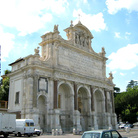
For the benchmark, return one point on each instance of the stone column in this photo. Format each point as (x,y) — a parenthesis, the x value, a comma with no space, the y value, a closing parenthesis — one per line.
(107,114)
(29,96)
(75,97)
(112,98)
(55,104)
(35,90)
(71,102)
(56,112)
(93,118)
(95,122)
(35,114)
(89,117)
(76,120)
(104,103)
(105,94)
(92,99)
(114,118)
(24,97)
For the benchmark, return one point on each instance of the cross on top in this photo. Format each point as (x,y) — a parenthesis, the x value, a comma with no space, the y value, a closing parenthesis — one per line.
(79,16)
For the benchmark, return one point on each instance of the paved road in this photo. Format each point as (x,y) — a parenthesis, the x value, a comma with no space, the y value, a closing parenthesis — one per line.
(131,134)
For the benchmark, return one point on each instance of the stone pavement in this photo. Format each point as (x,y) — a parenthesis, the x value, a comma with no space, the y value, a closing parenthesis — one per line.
(132,134)
(61,136)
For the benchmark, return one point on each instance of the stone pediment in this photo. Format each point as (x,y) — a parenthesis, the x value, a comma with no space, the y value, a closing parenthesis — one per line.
(80,35)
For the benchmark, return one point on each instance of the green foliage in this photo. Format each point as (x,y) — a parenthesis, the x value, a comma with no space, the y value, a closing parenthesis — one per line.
(116,89)
(4,87)
(132,84)
(126,104)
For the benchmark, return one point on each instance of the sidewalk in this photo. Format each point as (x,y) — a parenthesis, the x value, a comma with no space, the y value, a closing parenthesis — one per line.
(61,136)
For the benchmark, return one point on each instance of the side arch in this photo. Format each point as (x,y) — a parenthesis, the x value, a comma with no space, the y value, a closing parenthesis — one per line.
(42,106)
(99,102)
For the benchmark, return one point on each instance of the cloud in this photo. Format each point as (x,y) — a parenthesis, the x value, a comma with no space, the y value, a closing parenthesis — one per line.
(117,35)
(125,58)
(6,42)
(127,34)
(93,22)
(80,3)
(122,74)
(85,1)
(115,5)
(28,16)
(114,72)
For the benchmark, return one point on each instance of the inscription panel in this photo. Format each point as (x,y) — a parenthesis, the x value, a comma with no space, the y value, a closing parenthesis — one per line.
(79,63)
(42,84)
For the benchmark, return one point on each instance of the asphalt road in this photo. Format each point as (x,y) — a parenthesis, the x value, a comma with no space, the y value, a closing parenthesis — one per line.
(131,134)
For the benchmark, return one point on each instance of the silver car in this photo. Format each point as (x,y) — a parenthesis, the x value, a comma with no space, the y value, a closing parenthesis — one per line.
(101,134)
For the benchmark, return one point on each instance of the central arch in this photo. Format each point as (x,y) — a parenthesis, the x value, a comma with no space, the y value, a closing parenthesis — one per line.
(83,107)
(66,106)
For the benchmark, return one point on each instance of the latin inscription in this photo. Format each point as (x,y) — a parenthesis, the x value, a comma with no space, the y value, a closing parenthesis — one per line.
(79,63)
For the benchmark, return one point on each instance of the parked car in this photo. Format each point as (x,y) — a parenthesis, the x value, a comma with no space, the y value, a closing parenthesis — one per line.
(121,126)
(129,125)
(101,134)
(37,132)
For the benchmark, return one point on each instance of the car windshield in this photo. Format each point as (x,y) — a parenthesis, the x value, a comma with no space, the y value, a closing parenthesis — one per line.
(91,135)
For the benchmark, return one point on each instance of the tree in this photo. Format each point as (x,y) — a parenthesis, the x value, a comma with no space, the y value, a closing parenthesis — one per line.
(132,84)
(116,89)
(4,88)
(126,105)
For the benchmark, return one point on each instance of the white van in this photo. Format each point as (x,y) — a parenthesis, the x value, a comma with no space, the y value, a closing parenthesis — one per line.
(24,127)
(7,124)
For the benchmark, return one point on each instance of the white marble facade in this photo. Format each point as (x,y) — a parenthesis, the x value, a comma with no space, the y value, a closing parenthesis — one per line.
(66,87)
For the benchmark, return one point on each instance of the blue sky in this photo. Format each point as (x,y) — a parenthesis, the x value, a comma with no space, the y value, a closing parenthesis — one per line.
(113,23)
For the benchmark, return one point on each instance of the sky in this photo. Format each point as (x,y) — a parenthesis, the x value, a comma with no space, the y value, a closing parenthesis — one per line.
(113,23)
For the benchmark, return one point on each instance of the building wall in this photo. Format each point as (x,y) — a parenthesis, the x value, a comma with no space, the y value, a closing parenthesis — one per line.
(66,87)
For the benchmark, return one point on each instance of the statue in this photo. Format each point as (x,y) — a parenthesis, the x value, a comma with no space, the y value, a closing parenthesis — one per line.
(69,34)
(103,51)
(55,28)
(86,42)
(82,40)
(110,76)
(36,51)
(71,23)
(77,40)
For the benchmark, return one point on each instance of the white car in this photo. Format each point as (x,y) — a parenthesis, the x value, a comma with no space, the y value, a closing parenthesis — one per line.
(37,132)
(122,126)
(101,134)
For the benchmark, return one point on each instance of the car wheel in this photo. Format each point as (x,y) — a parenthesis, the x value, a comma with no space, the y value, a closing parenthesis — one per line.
(38,134)
(19,134)
(5,135)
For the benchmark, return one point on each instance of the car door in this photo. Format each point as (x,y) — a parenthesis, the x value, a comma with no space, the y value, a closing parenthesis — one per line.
(27,127)
(31,127)
(115,134)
